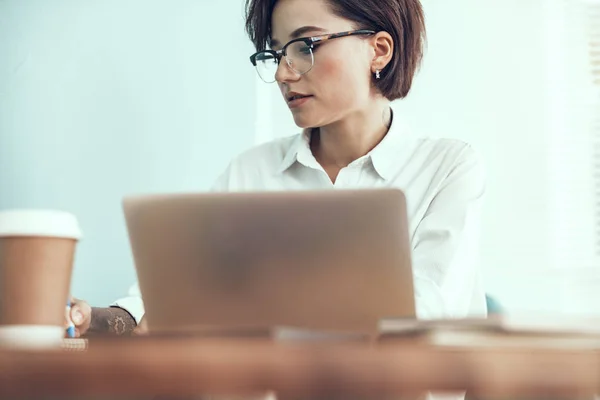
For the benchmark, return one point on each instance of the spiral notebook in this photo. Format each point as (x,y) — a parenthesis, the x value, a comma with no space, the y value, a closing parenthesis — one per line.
(78,344)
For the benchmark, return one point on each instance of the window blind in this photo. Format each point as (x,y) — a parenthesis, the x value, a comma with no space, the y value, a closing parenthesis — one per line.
(593,31)
(573,123)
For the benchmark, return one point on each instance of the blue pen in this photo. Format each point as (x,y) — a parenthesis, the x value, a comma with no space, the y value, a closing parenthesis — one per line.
(71,327)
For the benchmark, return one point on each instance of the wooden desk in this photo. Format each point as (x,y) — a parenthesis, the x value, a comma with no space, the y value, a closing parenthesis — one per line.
(185,366)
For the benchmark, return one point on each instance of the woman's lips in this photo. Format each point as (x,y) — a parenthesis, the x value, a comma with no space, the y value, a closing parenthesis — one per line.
(298,101)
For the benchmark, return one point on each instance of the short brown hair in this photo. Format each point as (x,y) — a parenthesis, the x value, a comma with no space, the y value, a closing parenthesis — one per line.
(404,20)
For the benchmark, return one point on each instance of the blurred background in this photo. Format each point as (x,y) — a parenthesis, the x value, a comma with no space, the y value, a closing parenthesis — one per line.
(104,98)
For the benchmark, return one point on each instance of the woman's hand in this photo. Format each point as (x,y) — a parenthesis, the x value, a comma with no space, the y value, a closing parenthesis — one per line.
(142,328)
(107,320)
(81,316)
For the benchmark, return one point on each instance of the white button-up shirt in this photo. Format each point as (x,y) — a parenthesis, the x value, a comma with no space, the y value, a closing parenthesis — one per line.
(443,181)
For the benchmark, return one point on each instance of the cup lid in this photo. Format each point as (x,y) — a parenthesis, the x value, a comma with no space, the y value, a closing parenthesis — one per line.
(45,223)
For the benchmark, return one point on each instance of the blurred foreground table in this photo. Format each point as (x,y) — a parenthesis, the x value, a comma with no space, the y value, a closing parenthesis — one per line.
(191,366)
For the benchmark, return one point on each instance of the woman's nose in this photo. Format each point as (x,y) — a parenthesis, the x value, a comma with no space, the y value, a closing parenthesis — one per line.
(285,73)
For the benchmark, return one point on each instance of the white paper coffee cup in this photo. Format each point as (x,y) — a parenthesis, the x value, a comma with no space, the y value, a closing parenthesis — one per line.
(37,249)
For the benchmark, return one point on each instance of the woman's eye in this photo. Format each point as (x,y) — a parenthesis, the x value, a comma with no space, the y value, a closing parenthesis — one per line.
(315,47)
(305,50)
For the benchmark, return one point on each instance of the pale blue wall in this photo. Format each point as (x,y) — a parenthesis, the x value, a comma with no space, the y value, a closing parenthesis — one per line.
(103,98)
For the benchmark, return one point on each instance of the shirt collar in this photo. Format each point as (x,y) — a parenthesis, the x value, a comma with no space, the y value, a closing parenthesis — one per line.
(299,151)
(386,156)
(389,155)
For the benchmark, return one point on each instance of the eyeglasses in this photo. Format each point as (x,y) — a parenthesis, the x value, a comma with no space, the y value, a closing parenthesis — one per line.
(298,53)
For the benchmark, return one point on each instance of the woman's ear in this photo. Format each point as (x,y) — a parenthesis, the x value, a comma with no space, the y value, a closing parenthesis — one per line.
(383,46)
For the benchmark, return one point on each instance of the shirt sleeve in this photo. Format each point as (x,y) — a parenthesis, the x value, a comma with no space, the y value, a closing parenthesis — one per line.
(222,182)
(446,243)
(133,303)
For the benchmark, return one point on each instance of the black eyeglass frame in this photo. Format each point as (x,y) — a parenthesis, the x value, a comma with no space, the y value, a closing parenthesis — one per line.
(310,43)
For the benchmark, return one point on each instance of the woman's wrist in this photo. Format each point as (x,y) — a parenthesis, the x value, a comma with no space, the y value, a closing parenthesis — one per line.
(111,320)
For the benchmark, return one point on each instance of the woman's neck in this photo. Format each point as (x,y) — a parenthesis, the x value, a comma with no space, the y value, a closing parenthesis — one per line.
(337,145)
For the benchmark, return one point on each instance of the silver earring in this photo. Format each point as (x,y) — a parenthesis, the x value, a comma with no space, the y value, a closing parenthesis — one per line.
(377,74)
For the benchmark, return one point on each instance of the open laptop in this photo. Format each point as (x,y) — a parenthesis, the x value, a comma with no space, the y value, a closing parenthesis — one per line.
(331,260)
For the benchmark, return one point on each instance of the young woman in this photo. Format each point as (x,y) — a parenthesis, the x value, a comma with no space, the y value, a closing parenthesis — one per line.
(339,64)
